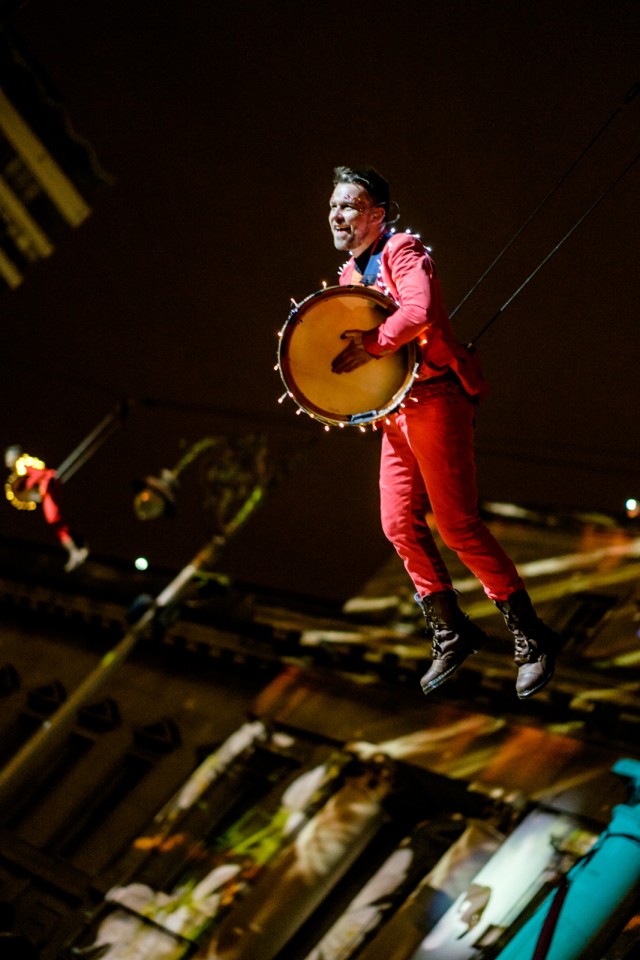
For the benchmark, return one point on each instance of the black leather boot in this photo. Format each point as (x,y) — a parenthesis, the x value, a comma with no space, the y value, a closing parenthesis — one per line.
(535,643)
(454,637)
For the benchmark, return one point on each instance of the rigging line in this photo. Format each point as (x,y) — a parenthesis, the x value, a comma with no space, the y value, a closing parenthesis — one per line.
(554,250)
(629,96)
(92,443)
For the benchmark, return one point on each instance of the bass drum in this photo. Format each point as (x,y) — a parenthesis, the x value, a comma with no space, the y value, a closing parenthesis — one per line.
(309,341)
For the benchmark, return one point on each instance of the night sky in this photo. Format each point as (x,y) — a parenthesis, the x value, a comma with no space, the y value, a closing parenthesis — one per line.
(220,124)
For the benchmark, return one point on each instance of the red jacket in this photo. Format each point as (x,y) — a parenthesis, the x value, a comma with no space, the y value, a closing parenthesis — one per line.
(408,275)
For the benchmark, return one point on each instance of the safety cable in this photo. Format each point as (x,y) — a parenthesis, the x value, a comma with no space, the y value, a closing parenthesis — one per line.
(629,96)
(554,250)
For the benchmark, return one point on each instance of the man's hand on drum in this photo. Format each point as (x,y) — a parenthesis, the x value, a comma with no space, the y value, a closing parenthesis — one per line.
(354,354)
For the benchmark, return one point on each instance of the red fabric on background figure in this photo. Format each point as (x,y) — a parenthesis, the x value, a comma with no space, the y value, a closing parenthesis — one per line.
(32,482)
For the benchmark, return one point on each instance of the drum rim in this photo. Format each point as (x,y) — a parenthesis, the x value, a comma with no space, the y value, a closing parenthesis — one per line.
(409,350)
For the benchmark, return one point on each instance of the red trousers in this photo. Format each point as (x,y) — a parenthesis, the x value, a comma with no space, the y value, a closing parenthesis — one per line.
(427,461)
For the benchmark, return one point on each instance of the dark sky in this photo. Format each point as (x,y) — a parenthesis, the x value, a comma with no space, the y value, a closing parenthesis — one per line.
(220,124)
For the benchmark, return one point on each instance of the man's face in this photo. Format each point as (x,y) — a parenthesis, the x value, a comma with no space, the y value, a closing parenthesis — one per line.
(354,219)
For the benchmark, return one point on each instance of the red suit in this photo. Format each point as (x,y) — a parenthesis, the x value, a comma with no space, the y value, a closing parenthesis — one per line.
(47,487)
(427,457)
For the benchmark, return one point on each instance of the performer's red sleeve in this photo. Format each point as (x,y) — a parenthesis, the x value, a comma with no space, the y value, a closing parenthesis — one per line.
(411,272)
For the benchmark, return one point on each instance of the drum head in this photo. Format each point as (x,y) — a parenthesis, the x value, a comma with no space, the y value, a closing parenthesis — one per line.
(310,341)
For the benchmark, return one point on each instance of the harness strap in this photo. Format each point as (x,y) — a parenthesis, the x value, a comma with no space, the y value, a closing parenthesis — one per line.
(551,921)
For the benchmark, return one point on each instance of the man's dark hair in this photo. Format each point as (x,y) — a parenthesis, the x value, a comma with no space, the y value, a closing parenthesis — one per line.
(369,178)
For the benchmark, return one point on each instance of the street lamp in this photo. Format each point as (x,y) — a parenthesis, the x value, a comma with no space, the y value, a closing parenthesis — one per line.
(156,496)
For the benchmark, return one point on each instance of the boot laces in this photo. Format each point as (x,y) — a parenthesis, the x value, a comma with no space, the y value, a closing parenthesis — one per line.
(526,649)
(441,634)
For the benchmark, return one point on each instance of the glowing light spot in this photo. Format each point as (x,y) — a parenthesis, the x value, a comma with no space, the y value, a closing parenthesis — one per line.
(141,563)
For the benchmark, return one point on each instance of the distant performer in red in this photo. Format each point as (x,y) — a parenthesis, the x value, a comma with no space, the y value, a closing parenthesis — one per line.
(30,483)
(427,457)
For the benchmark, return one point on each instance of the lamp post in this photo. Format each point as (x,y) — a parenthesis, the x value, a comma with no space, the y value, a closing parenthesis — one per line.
(237,481)
(156,495)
